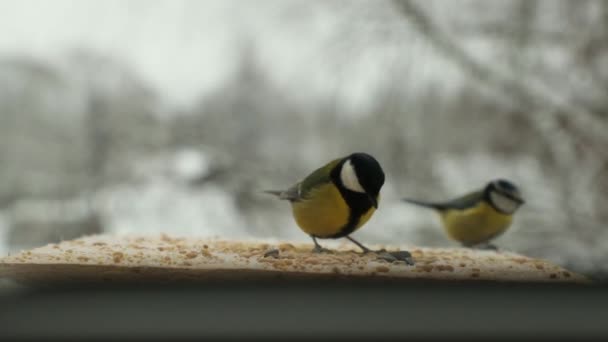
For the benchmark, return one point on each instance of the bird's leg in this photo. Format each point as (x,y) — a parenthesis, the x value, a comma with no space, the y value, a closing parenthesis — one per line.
(365,249)
(318,248)
(404,256)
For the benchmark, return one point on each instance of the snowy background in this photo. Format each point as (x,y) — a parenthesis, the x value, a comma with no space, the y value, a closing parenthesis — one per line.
(145,116)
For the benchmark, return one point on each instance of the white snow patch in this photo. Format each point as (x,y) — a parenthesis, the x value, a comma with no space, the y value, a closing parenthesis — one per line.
(164,207)
(190,164)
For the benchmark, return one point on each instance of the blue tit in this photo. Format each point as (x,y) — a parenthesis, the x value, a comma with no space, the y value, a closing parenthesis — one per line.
(337,199)
(478,217)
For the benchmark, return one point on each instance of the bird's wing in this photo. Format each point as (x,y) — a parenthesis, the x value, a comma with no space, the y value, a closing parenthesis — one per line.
(463,202)
(320,176)
(301,189)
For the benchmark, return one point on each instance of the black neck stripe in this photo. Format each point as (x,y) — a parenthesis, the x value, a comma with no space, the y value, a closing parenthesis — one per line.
(358,203)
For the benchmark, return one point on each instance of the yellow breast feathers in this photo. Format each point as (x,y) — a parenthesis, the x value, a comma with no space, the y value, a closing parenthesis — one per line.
(475,225)
(324,212)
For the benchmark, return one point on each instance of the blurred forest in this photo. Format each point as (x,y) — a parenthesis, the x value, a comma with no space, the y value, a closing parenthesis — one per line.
(447,96)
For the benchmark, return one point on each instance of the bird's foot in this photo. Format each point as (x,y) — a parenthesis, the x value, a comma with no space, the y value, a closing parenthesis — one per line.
(319,249)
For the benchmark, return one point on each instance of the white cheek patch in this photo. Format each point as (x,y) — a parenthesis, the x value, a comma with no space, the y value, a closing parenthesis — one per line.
(349,178)
(503,203)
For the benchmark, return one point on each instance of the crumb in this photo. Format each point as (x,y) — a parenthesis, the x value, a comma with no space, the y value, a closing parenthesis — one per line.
(566,274)
(165,237)
(475,275)
(382,269)
(430,260)
(272,253)
(117,256)
(191,255)
(553,276)
(539,266)
(449,268)
(426,268)
(99,243)
(286,246)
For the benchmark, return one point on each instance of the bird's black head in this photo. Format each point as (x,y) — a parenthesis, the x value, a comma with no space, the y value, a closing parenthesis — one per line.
(361,173)
(504,195)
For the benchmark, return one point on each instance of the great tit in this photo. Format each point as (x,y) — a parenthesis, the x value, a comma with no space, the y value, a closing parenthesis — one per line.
(476,218)
(337,199)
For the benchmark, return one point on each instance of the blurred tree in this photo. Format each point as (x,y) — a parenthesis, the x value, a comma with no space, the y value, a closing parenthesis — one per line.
(570,122)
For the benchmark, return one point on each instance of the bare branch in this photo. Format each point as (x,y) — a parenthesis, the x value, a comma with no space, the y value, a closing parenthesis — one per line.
(527,95)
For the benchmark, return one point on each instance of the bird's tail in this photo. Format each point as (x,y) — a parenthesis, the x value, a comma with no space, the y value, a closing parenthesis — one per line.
(277,193)
(290,194)
(423,204)
(284,195)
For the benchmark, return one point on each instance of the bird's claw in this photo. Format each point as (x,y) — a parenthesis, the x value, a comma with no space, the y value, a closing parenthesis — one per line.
(319,249)
(386,256)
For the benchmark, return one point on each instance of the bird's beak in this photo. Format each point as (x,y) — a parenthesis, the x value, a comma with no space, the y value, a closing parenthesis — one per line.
(373,200)
(518,199)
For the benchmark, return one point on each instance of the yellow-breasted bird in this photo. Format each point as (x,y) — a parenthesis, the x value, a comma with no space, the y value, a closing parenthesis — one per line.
(337,199)
(476,218)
